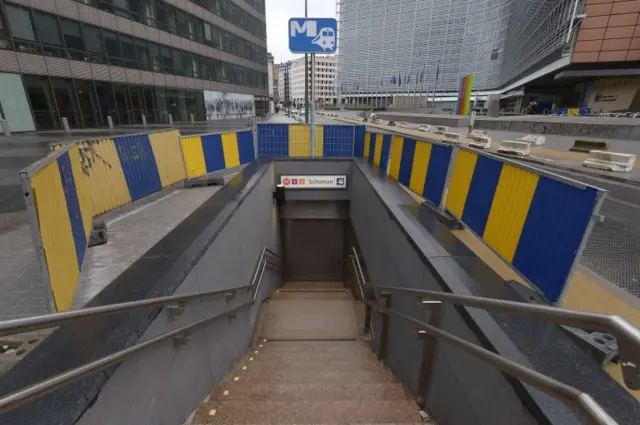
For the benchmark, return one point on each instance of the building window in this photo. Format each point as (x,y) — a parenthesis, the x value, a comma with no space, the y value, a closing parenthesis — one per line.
(129,51)
(93,43)
(42,102)
(22,29)
(4,32)
(112,47)
(143,54)
(72,34)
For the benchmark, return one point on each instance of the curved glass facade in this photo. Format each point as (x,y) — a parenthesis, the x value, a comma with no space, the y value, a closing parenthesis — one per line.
(390,46)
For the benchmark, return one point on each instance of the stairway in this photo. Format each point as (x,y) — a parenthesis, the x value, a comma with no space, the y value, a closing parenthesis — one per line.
(306,373)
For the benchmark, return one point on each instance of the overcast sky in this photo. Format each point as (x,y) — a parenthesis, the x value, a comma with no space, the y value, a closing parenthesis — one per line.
(278,14)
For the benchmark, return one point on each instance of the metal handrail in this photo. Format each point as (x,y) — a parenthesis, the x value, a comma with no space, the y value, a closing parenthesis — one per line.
(626,334)
(555,388)
(17,326)
(595,413)
(42,388)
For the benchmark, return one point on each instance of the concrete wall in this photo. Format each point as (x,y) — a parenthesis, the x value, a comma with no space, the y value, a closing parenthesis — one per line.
(463,390)
(165,383)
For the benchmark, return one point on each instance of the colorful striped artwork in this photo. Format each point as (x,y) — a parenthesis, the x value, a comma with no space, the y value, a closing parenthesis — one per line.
(464,96)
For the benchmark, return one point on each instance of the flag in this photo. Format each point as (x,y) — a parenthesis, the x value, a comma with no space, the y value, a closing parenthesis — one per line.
(407,79)
(399,79)
(393,80)
(422,74)
(381,82)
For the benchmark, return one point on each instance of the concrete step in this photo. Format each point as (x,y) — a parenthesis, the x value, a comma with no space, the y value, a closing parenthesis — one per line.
(271,365)
(314,295)
(308,355)
(319,376)
(312,285)
(284,412)
(250,391)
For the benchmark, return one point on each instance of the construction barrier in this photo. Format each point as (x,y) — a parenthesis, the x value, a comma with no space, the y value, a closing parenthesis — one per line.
(587,146)
(535,220)
(421,166)
(206,153)
(377,147)
(294,140)
(60,212)
(123,169)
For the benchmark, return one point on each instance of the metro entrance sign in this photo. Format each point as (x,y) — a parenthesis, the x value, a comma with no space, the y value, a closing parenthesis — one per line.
(313,35)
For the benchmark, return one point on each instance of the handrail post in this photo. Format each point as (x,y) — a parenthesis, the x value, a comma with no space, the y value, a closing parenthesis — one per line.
(429,346)
(384,329)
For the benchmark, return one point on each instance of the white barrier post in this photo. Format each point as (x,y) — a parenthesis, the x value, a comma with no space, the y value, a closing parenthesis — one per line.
(5,126)
(65,125)
(110,122)
(144,121)
(170,119)
(192,119)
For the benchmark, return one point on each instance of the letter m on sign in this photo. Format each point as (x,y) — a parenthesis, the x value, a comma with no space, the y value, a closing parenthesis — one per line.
(308,27)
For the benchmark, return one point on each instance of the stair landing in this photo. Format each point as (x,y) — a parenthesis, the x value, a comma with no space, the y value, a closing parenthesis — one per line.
(309,367)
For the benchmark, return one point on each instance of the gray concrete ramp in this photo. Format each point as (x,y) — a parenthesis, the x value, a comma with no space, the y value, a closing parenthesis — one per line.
(311,311)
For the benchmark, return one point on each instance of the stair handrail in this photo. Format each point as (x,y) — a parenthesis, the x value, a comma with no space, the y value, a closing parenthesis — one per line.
(32,323)
(626,334)
(570,395)
(42,388)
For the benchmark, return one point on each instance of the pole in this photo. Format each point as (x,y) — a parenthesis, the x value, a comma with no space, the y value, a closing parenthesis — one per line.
(313,107)
(435,87)
(306,75)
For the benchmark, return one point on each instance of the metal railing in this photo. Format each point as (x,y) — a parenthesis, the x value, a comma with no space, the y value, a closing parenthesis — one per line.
(40,389)
(619,327)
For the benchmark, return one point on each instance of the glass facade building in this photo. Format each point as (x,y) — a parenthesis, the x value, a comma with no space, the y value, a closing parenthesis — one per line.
(396,46)
(88,59)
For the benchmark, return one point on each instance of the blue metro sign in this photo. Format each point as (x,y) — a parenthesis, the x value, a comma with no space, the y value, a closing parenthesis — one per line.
(313,35)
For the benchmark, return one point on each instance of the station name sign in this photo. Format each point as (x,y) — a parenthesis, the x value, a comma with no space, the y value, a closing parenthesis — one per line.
(314,182)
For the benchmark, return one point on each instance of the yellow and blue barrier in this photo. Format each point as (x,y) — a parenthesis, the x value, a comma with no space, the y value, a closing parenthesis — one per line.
(207,153)
(124,169)
(294,140)
(377,147)
(536,221)
(60,213)
(421,166)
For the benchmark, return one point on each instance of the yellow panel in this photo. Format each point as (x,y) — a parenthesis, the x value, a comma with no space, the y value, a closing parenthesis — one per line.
(193,156)
(509,209)
(168,154)
(82,189)
(367,144)
(397,144)
(103,172)
(57,238)
(461,181)
(319,140)
(377,153)
(299,140)
(419,167)
(230,149)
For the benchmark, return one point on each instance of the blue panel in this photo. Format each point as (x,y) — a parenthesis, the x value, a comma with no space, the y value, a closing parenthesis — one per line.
(481,191)
(406,161)
(273,139)
(213,152)
(245,146)
(338,140)
(73,206)
(437,173)
(358,143)
(557,220)
(138,164)
(384,154)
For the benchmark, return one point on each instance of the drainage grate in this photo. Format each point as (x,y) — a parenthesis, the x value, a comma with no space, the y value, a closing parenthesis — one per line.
(613,250)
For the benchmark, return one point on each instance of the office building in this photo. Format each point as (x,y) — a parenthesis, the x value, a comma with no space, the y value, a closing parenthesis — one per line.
(87,60)
(284,83)
(323,82)
(270,77)
(398,51)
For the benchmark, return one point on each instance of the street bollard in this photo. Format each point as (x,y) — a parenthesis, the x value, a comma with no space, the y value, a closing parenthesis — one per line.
(5,127)
(65,125)
(110,122)
(144,121)
(193,120)
(170,119)
(472,120)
